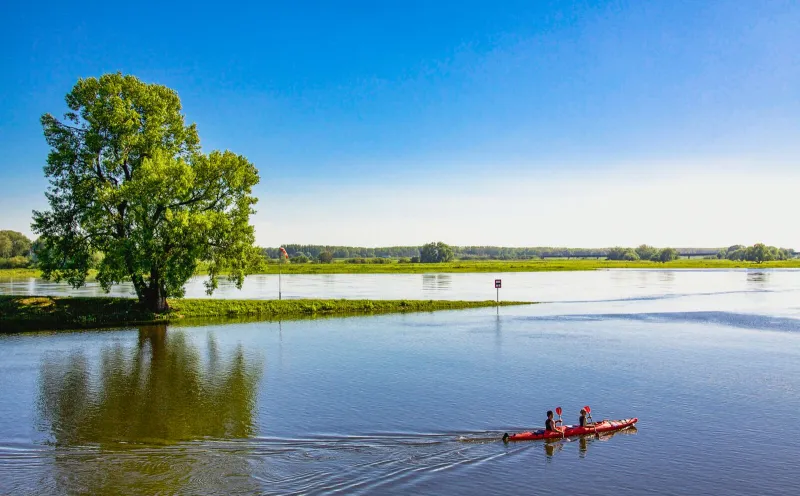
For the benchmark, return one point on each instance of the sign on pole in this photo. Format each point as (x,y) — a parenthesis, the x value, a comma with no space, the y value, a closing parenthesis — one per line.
(497,284)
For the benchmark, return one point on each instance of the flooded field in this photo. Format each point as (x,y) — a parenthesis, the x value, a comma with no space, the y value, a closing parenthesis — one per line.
(708,361)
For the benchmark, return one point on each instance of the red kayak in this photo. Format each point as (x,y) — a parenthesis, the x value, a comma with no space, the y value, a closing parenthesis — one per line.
(573,430)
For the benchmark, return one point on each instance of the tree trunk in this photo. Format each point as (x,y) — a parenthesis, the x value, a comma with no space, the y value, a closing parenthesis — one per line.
(155,298)
(157,303)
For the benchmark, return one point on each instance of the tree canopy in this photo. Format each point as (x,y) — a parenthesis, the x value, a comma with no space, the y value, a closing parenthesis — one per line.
(666,255)
(435,253)
(759,252)
(14,244)
(128,179)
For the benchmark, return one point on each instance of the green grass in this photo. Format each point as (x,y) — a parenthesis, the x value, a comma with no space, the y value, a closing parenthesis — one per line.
(549,265)
(19,273)
(517,266)
(29,313)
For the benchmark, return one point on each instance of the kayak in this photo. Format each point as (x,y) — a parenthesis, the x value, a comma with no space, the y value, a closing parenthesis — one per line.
(572,430)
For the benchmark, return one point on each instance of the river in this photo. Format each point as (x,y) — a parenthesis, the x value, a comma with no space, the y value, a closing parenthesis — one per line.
(709,361)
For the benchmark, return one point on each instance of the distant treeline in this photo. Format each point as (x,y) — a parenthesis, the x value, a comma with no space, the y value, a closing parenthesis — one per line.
(15,250)
(313,252)
(759,252)
(460,252)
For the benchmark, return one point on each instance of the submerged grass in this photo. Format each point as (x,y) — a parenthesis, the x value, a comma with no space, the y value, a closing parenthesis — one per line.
(29,313)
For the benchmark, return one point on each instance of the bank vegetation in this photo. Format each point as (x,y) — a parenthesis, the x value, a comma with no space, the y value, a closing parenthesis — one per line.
(28,313)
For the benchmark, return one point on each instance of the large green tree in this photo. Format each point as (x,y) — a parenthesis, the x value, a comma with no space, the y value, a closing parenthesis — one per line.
(760,252)
(436,253)
(128,179)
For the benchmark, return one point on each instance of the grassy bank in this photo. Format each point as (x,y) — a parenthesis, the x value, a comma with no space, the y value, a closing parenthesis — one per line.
(549,265)
(25,313)
(19,273)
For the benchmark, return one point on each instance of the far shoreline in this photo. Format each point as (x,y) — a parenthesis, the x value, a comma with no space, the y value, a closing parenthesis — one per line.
(482,266)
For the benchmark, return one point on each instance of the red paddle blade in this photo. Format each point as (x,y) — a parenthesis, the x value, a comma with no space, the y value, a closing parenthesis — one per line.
(588,410)
(558,411)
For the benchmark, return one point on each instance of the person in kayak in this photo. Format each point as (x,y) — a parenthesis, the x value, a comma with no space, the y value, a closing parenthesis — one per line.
(584,422)
(550,424)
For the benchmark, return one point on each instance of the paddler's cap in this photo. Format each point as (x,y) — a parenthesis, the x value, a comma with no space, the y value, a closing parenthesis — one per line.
(583,411)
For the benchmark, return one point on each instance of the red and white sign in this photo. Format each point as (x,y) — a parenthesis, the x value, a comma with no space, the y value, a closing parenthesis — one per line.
(498,283)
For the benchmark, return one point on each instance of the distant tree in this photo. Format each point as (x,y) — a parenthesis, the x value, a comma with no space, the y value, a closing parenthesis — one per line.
(14,262)
(414,259)
(737,254)
(646,252)
(14,244)
(300,257)
(734,248)
(325,257)
(404,260)
(620,253)
(667,255)
(128,179)
(630,255)
(759,253)
(96,259)
(5,246)
(435,253)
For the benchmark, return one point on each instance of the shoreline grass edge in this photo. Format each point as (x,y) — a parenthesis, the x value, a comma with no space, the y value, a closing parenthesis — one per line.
(483,266)
(38,313)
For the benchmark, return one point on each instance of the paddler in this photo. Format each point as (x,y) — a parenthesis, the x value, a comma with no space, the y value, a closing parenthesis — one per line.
(583,421)
(550,424)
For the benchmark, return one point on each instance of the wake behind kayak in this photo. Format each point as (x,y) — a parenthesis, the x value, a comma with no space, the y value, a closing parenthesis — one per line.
(572,431)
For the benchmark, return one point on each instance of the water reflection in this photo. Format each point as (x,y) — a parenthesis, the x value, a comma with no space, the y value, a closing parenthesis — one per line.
(667,276)
(556,446)
(436,282)
(123,424)
(158,392)
(758,279)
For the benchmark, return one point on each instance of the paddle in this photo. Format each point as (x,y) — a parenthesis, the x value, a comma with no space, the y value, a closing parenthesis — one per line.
(558,412)
(589,413)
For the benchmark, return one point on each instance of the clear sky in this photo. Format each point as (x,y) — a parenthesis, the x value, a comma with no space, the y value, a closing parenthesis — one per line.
(507,123)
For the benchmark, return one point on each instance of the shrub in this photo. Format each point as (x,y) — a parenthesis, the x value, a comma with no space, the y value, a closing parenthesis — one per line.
(667,255)
(646,252)
(14,263)
(620,253)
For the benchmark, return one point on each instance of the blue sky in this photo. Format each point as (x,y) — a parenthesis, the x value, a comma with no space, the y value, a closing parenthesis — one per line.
(517,123)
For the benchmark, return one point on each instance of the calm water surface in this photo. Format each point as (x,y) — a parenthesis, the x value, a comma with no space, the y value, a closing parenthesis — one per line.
(709,362)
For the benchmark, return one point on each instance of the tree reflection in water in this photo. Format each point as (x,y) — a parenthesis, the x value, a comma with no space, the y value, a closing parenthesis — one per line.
(130,421)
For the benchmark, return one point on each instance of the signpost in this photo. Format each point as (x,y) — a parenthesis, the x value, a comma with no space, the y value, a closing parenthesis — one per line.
(281,255)
(498,283)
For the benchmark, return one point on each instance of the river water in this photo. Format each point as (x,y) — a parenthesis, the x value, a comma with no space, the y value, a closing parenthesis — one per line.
(402,404)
